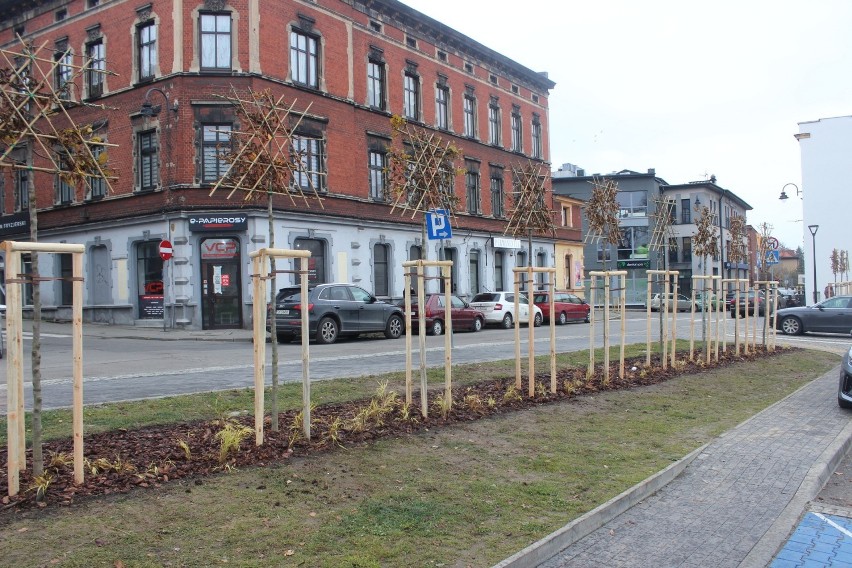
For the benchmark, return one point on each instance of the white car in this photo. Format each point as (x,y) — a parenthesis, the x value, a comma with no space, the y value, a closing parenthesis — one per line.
(684,304)
(499,308)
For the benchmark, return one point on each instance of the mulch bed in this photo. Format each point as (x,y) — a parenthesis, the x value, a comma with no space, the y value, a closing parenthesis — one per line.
(123,460)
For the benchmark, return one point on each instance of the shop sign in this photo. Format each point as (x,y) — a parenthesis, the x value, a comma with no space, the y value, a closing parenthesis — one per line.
(151,306)
(218,249)
(210,223)
(504,243)
(16,224)
(634,263)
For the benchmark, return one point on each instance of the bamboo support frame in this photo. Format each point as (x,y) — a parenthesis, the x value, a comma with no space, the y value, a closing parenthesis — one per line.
(529,271)
(259,277)
(15,414)
(606,275)
(668,277)
(445,267)
(770,309)
(740,290)
(710,331)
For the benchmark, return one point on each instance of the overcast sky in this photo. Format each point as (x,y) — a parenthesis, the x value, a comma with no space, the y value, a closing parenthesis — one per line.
(690,89)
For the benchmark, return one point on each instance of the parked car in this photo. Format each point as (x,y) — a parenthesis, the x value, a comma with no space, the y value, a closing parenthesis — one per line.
(705,301)
(684,304)
(747,300)
(463,316)
(499,308)
(844,389)
(335,310)
(833,315)
(566,306)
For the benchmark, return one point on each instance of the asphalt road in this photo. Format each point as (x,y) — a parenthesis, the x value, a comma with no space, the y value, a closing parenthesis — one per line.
(131,369)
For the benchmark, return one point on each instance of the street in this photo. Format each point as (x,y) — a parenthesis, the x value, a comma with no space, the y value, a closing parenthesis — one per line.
(118,369)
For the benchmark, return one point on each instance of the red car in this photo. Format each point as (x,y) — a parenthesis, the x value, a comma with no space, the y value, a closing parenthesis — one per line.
(568,307)
(464,317)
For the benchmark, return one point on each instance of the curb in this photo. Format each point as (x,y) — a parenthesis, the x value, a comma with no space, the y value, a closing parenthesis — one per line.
(546,548)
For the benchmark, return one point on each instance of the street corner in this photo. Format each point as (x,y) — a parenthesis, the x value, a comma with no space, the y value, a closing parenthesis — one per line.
(819,540)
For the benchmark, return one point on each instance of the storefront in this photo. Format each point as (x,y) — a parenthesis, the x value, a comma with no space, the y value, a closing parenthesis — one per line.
(221,265)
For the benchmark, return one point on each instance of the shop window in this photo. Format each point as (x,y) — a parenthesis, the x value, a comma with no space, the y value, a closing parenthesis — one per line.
(315,264)
(149,280)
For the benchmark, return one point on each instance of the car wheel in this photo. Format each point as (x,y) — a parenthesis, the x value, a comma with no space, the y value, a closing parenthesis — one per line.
(327,331)
(843,403)
(537,320)
(477,324)
(563,318)
(284,337)
(507,321)
(791,325)
(588,319)
(437,327)
(395,327)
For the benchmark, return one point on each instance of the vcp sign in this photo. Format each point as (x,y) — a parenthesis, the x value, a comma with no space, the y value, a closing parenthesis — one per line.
(217,249)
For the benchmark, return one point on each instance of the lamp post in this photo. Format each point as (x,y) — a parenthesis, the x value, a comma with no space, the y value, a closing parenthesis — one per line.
(148,110)
(784,195)
(813,229)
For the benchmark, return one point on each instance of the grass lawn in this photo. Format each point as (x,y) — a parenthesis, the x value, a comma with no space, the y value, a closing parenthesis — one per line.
(467,495)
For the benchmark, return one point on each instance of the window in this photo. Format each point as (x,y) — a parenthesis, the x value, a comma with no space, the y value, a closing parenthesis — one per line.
(378,174)
(149,280)
(672,250)
(499,261)
(442,55)
(97,184)
(66,286)
(315,263)
(536,137)
(494,124)
(567,221)
(442,102)
(411,42)
(376,84)
(304,66)
(64,189)
(473,272)
(541,262)
(687,249)
(146,36)
(632,204)
(63,74)
(497,196)
(309,154)
(685,212)
(469,116)
(149,162)
(604,251)
(93,3)
(493,79)
(411,96)
(375,26)
(381,273)
(216,139)
(95,68)
(472,184)
(517,142)
(60,14)
(468,67)
(634,243)
(22,193)
(520,262)
(215,42)
(414,252)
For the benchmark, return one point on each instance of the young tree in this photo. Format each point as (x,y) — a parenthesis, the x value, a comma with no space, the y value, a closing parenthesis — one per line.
(705,244)
(602,214)
(34,116)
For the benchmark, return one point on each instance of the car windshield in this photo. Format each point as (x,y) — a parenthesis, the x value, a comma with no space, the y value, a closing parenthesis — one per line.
(541,299)
(486,297)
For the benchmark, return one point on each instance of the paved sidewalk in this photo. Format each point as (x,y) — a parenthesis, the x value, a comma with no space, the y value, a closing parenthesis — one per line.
(150,333)
(734,504)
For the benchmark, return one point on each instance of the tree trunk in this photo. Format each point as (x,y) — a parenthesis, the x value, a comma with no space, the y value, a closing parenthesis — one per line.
(38,458)
(273,333)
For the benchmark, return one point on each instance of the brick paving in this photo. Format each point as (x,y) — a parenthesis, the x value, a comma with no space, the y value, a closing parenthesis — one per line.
(731,497)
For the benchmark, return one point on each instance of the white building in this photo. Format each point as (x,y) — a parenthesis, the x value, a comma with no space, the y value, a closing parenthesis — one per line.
(826,195)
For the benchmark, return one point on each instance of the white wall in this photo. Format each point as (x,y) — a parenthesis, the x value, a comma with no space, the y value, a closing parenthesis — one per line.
(826,149)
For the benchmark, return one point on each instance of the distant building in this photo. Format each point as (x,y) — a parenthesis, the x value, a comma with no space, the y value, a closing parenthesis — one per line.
(826,197)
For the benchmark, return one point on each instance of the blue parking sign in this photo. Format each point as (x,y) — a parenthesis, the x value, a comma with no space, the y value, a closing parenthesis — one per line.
(438,225)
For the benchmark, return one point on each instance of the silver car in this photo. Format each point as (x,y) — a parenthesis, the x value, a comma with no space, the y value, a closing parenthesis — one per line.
(684,304)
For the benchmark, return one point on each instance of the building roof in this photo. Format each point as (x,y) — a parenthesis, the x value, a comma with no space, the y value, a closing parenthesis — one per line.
(710,186)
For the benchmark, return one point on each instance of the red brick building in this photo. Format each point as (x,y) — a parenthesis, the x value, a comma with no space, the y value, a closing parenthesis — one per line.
(351,65)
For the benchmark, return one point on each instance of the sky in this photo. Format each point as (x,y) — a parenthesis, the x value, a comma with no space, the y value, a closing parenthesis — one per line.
(691,89)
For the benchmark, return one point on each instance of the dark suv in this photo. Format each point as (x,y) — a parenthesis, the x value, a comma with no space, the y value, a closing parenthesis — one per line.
(335,310)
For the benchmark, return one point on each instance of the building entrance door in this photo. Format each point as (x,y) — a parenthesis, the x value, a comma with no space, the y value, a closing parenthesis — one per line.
(221,289)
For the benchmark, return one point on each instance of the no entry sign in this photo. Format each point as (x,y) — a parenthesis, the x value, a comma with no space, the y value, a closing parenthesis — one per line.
(165,250)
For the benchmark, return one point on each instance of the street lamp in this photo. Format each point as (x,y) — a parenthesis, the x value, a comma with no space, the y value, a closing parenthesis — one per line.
(148,110)
(784,195)
(813,229)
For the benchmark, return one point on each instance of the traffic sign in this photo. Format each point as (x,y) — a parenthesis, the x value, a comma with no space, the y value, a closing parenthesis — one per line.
(772,243)
(438,225)
(165,249)
(772,257)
